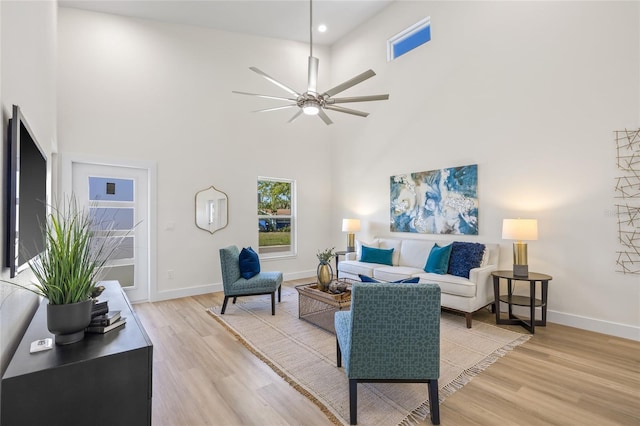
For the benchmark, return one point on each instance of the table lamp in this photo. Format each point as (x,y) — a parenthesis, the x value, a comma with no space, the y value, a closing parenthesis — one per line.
(519,230)
(350,226)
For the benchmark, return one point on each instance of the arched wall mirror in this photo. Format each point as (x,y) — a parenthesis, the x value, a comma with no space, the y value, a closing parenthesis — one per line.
(212,209)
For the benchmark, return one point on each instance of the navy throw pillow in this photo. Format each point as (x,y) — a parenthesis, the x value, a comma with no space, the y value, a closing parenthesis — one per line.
(464,257)
(249,263)
(376,255)
(438,260)
(367,279)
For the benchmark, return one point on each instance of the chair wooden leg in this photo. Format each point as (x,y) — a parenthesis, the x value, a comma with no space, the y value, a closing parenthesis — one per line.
(280,294)
(434,403)
(338,354)
(273,303)
(353,401)
(468,316)
(224,305)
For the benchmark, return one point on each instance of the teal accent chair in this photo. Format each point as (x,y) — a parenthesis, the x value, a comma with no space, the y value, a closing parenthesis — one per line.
(235,286)
(391,334)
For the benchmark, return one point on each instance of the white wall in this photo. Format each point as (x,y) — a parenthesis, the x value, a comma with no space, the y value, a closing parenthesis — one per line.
(27,78)
(529,91)
(142,90)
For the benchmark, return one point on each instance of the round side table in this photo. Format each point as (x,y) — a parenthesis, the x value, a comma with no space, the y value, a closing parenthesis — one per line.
(515,300)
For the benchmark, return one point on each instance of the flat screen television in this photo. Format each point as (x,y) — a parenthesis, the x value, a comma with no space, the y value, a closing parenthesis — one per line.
(26,202)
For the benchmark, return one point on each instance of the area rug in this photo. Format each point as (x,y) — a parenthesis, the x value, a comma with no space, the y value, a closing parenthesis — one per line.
(305,356)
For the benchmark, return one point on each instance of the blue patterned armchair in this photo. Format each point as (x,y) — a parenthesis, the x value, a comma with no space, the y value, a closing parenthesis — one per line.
(391,334)
(236,286)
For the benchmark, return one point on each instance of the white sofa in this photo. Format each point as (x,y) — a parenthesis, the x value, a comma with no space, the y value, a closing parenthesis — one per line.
(409,258)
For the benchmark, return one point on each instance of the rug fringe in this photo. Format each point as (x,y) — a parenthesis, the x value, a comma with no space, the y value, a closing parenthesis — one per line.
(325,410)
(420,414)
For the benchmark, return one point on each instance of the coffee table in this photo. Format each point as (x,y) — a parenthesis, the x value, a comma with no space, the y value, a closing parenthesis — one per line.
(318,307)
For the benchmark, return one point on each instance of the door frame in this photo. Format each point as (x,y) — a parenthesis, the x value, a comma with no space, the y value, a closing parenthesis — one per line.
(66,183)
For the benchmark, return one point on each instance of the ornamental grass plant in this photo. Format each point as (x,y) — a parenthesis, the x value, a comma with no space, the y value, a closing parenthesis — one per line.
(71,265)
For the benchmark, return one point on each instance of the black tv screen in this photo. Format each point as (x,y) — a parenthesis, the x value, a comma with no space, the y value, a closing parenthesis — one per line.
(26,202)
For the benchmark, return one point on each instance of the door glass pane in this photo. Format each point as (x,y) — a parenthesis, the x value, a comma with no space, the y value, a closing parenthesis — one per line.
(110,189)
(117,219)
(124,274)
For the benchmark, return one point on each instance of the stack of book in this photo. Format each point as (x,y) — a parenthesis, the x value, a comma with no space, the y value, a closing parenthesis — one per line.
(106,322)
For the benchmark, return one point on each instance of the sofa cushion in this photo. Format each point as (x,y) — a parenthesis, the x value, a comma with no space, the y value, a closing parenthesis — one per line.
(368,279)
(249,263)
(450,284)
(395,273)
(355,268)
(376,255)
(464,257)
(415,252)
(438,260)
(392,243)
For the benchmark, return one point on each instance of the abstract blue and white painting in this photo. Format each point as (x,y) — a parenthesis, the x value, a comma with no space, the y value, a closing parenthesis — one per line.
(441,201)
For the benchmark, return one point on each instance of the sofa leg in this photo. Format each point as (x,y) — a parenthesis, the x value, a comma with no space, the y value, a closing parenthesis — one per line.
(434,403)
(467,316)
(353,401)
(224,305)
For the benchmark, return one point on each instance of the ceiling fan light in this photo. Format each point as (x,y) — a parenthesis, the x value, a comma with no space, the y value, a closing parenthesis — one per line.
(310,108)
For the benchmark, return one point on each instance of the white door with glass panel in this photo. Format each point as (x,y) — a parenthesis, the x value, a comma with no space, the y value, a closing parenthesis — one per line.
(117,200)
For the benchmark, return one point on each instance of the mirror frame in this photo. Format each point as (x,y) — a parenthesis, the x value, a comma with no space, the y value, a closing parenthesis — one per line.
(222,195)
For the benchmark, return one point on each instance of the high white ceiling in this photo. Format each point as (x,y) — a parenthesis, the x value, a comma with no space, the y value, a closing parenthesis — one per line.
(283,19)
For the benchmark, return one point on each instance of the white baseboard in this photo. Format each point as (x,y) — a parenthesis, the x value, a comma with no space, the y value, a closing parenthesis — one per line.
(599,326)
(211,288)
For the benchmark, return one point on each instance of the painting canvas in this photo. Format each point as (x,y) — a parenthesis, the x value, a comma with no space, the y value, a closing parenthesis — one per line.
(441,201)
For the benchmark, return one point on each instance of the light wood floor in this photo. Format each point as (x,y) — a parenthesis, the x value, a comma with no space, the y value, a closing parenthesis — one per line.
(562,376)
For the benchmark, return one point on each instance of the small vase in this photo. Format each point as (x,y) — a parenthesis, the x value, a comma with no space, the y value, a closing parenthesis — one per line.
(67,322)
(325,276)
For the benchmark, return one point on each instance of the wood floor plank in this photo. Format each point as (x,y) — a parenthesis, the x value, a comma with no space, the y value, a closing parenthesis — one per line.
(561,376)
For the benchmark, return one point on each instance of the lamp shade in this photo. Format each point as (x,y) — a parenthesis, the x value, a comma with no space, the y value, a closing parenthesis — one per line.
(350,225)
(520,229)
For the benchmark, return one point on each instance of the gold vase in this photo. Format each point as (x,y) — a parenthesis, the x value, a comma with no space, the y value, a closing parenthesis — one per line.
(325,276)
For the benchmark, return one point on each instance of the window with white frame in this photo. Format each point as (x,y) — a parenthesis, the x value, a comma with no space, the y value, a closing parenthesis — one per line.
(408,39)
(276,217)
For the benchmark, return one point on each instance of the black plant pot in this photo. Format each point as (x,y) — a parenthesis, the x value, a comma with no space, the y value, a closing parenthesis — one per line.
(67,322)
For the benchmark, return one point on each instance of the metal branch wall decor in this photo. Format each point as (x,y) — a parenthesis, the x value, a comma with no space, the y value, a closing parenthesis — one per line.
(628,208)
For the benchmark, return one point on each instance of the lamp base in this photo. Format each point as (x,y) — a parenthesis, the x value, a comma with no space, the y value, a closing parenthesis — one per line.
(521,270)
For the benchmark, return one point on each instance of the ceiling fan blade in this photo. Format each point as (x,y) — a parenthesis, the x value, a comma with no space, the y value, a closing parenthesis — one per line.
(357,99)
(324,117)
(346,110)
(276,108)
(297,114)
(274,81)
(349,83)
(264,96)
(313,74)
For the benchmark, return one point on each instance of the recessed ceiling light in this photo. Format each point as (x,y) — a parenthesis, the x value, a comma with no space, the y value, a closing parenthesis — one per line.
(322,28)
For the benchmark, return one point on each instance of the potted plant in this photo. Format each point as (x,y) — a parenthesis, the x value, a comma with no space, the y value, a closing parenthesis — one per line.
(324,271)
(69,268)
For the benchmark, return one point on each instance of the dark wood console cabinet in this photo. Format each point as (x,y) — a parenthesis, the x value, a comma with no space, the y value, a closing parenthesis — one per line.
(105,379)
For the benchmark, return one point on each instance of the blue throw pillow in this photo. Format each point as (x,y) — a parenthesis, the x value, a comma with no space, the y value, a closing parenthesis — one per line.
(367,279)
(464,257)
(438,260)
(376,255)
(249,263)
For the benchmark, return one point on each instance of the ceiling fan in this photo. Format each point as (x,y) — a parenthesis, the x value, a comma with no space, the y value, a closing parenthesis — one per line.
(311,102)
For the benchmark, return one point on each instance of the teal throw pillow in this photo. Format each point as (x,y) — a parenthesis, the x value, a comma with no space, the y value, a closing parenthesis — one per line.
(438,261)
(249,263)
(376,255)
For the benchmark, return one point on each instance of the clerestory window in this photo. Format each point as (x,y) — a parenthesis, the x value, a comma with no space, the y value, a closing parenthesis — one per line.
(408,39)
